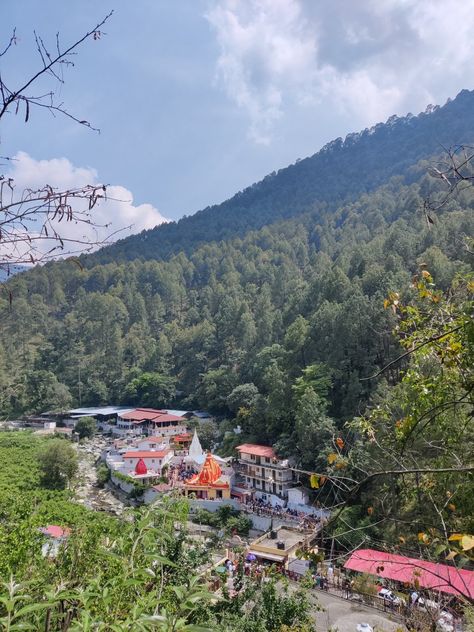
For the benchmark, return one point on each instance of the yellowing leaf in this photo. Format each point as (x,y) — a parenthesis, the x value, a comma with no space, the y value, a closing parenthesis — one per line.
(370,510)
(332,457)
(402,539)
(314,481)
(425,274)
(467,542)
(455,537)
(422,537)
(452,507)
(451,556)
(386,303)
(339,443)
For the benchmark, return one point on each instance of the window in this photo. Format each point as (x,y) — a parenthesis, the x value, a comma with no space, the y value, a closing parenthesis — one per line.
(252,456)
(267,459)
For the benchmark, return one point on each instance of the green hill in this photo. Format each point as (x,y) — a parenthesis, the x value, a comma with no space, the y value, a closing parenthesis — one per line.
(340,172)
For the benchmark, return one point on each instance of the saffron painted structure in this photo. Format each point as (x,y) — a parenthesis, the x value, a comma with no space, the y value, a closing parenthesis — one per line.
(209,483)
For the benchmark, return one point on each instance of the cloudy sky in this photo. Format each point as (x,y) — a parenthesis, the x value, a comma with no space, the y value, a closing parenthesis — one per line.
(196,99)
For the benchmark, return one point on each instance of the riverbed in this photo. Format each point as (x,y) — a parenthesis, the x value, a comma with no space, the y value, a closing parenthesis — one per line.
(87,492)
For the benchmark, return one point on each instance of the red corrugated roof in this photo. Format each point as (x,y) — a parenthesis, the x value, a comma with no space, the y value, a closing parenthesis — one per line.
(151,439)
(258,450)
(145,454)
(442,577)
(149,414)
(182,437)
(162,487)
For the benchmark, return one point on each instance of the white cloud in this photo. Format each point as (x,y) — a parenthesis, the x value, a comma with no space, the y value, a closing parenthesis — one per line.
(112,218)
(368,59)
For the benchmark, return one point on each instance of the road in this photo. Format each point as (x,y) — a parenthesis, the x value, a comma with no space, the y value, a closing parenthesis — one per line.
(344,615)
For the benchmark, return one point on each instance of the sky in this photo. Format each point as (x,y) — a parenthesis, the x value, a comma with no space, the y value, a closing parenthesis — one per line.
(197,99)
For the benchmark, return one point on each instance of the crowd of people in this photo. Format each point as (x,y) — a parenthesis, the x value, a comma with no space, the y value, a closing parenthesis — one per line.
(178,474)
(259,507)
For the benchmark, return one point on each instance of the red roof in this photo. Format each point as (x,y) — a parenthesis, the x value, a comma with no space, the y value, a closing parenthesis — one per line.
(151,439)
(149,414)
(54,531)
(257,450)
(162,487)
(182,438)
(145,454)
(442,577)
(141,468)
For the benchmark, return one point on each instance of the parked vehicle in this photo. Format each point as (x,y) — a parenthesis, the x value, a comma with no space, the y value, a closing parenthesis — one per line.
(364,627)
(388,595)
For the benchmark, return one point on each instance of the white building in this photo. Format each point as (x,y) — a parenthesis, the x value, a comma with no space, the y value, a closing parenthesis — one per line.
(153,460)
(266,476)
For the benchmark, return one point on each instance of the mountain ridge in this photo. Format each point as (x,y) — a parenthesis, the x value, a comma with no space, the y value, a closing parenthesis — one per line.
(310,183)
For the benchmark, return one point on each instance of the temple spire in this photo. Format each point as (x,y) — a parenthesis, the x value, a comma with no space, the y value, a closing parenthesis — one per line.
(195,449)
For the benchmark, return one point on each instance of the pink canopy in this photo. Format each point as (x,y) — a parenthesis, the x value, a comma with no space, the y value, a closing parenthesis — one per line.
(409,570)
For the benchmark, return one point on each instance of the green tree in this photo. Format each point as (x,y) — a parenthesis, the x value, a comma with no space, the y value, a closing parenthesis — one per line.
(242,396)
(58,463)
(315,376)
(314,431)
(153,390)
(86,427)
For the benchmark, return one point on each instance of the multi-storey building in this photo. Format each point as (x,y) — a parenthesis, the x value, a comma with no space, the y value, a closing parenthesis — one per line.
(264,473)
(148,421)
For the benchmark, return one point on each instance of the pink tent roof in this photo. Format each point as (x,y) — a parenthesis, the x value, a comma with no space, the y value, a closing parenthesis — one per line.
(55,531)
(442,577)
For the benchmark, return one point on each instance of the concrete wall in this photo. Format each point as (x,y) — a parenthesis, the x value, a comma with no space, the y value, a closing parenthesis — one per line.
(212,505)
(126,487)
(150,496)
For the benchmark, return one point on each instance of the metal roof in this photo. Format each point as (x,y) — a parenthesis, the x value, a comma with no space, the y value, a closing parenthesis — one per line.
(434,576)
(100,410)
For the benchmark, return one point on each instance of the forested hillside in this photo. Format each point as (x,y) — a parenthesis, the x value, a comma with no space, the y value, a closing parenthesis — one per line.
(235,325)
(340,172)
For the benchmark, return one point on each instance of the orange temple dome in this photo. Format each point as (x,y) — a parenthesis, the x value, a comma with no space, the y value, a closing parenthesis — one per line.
(210,473)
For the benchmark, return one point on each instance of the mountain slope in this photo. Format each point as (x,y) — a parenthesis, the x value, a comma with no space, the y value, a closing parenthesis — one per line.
(340,172)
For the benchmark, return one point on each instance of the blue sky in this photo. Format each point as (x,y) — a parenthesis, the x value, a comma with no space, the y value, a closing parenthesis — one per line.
(197,99)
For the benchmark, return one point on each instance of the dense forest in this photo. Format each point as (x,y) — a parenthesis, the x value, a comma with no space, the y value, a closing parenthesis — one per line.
(235,325)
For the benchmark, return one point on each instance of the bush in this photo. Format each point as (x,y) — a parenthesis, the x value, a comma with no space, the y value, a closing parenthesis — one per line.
(241,524)
(226,517)
(103,475)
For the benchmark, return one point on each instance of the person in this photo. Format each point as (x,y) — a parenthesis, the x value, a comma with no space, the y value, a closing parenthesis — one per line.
(414,598)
